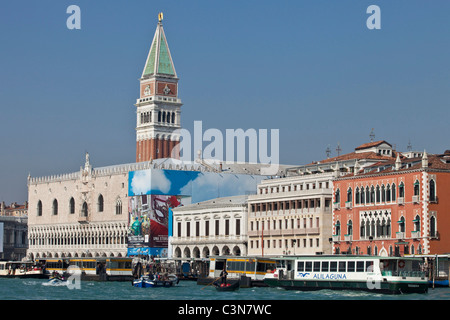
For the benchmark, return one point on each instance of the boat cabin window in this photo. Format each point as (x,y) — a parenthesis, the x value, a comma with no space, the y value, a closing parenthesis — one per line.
(325,266)
(369,266)
(308,266)
(333,266)
(351,266)
(300,266)
(261,266)
(57,264)
(290,265)
(117,264)
(342,265)
(359,266)
(316,266)
(400,267)
(219,265)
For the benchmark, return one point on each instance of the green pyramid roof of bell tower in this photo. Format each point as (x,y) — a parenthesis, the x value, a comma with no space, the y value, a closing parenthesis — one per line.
(159,56)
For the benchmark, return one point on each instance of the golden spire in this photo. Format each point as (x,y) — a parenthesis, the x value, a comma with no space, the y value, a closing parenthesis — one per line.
(160,16)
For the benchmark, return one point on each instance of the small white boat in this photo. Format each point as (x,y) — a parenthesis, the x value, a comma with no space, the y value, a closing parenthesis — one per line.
(152,281)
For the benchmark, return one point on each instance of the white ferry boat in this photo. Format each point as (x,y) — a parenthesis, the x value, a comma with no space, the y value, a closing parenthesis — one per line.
(370,273)
(107,268)
(19,269)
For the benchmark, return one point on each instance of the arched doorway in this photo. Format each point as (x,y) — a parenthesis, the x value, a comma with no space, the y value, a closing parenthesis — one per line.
(205,252)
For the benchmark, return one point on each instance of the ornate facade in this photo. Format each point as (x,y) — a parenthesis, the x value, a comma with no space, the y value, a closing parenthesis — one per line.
(293,215)
(214,227)
(80,214)
(394,208)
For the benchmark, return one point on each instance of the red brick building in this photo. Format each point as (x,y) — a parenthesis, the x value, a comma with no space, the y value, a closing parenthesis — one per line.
(394,208)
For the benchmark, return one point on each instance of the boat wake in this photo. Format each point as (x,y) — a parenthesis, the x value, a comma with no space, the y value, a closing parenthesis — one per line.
(52,283)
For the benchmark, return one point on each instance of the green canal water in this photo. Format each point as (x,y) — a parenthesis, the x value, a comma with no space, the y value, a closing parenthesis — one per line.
(35,299)
(38,289)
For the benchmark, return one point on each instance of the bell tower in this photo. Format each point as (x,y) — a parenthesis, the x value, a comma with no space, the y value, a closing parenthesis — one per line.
(158,108)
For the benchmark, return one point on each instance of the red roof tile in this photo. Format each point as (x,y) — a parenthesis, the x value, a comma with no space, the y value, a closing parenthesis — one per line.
(371,144)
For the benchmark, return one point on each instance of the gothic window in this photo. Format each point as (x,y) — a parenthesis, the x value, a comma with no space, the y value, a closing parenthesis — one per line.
(349,228)
(432,190)
(39,208)
(119,206)
(362,195)
(379,230)
(372,228)
(416,223)
(164,116)
(55,207)
(388,227)
(383,194)
(401,190)
(357,196)
(367,195)
(72,205)
(173,117)
(363,229)
(372,195)
(416,188)
(394,193)
(338,228)
(84,210)
(337,196)
(383,228)
(100,203)
(433,226)
(378,194)
(401,224)
(349,195)
(159,116)
(388,193)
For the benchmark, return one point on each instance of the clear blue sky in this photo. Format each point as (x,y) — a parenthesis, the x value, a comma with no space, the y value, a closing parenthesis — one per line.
(309,68)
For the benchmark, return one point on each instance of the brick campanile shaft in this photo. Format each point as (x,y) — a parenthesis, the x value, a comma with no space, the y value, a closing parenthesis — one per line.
(158,107)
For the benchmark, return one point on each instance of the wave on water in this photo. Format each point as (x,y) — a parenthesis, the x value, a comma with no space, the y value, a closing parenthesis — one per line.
(54,284)
(30,282)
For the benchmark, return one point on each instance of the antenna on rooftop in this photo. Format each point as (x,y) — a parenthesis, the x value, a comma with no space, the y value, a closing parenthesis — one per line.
(372,135)
(338,149)
(409,146)
(328,151)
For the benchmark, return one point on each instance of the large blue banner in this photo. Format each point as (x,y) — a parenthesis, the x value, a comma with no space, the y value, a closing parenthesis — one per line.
(154,192)
(200,186)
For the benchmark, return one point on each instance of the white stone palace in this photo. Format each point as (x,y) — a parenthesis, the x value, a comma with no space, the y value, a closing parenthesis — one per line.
(79,214)
(213,227)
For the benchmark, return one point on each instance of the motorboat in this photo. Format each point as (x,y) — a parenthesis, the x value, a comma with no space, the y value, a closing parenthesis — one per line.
(156,281)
